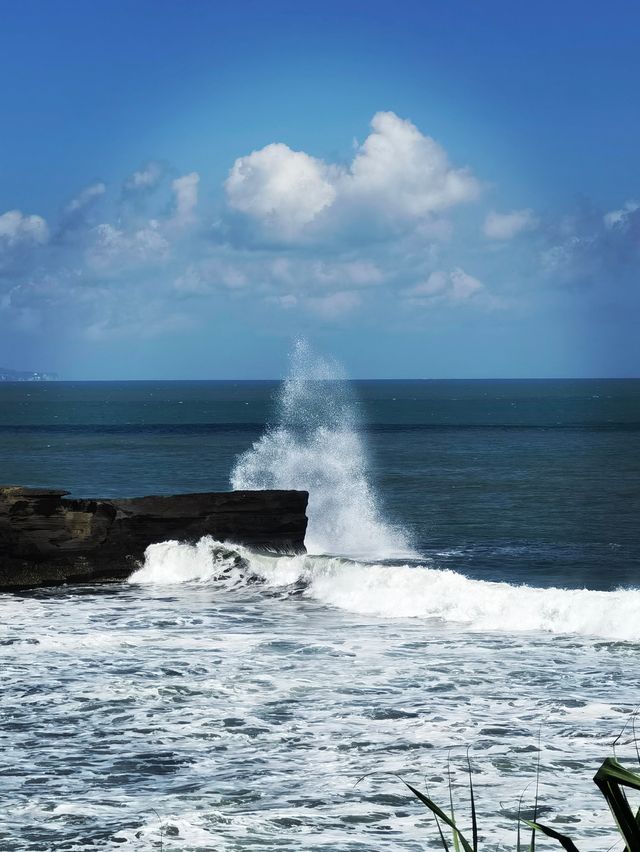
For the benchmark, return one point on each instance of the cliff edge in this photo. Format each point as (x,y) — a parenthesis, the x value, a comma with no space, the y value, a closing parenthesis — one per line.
(46,538)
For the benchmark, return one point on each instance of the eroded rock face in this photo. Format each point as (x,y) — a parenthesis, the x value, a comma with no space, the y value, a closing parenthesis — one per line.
(47,538)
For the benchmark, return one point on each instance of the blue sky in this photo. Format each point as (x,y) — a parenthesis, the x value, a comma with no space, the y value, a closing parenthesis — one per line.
(422,189)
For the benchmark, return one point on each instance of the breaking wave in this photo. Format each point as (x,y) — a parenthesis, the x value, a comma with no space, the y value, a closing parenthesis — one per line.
(401,590)
(315,446)
(357,561)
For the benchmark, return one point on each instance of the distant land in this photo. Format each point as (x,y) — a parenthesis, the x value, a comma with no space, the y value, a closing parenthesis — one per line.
(25,376)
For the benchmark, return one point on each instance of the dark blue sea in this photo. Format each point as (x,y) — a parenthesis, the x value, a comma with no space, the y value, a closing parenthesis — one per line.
(534,481)
(472,581)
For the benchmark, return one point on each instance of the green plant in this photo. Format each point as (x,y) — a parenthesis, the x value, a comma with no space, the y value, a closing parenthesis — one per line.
(612,780)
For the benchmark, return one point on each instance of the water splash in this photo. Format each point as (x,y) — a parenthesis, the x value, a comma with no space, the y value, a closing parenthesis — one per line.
(401,591)
(315,446)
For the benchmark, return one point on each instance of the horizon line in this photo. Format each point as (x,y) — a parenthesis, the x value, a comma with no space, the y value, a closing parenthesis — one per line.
(346,379)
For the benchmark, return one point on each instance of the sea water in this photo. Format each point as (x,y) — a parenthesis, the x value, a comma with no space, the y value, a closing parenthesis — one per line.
(471,583)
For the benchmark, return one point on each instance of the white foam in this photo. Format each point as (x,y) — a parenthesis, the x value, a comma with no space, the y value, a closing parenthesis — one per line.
(407,591)
(176,562)
(316,447)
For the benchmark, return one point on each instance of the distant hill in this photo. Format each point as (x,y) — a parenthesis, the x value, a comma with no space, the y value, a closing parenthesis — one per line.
(25,376)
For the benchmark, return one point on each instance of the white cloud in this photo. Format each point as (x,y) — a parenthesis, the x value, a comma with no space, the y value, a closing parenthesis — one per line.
(144,179)
(202,278)
(618,218)
(454,287)
(406,172)
(113,247)
(281,188)
(185,191)
(344,234)
(561,258)
(278,275)
(17,228)
(398,174)
(287,301)
(148,242)
(463,285)
(505,226)
(310,274)
(85,197)
(437,282)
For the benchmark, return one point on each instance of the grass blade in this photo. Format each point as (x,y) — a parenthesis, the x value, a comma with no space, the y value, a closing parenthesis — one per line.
(635,738)
(441,814)
(474,817)
(611,778)
(532,845)
(456,842)
(443,839)
(520,820)
(612,771)
(564,841)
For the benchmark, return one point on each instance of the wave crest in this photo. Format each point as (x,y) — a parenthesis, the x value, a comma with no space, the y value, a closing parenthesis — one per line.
(402,590)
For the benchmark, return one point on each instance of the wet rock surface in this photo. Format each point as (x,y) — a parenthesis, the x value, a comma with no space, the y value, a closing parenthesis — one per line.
(47,538)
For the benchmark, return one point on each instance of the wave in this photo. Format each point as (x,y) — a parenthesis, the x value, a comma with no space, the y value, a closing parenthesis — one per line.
(356,560)
(400,590)
(316,446)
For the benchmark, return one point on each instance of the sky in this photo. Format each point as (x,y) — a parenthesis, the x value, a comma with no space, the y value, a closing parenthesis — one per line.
(420,189)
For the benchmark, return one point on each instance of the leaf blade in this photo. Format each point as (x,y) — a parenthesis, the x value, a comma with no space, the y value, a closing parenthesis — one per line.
(564,841)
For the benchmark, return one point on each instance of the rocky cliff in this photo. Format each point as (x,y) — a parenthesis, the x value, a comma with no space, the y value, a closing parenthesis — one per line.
(47,538)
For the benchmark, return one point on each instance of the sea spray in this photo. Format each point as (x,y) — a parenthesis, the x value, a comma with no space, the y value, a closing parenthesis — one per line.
(315,446)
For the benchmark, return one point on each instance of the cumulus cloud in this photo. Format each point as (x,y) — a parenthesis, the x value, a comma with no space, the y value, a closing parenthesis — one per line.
(185,192)
(144,180)
(463,285)
(505,226)
(85,197)
(281,280)
(112,247)
(398,174)
(202,278)
(322,239)
(455,287)
(281,188)
(16,229)
(405,171)
(319,274)
(77,213)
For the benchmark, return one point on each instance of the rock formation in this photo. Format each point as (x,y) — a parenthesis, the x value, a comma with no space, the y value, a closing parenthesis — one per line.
(47,538)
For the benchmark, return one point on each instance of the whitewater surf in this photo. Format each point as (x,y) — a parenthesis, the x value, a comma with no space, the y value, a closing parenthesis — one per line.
(230,700)
(357,560)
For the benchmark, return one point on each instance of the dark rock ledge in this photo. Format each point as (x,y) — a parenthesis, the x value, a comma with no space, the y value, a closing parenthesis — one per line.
(47,538)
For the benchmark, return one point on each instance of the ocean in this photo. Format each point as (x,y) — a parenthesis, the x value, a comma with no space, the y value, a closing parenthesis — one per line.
(472,582)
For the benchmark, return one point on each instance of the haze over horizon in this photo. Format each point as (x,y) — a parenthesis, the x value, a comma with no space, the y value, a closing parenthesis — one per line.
(422,191)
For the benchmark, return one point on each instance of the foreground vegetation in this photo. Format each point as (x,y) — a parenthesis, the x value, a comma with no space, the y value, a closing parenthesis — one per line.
(612,780)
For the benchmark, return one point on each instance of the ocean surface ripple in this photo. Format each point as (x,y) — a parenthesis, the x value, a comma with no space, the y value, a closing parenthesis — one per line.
(233,715)
(471,582)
